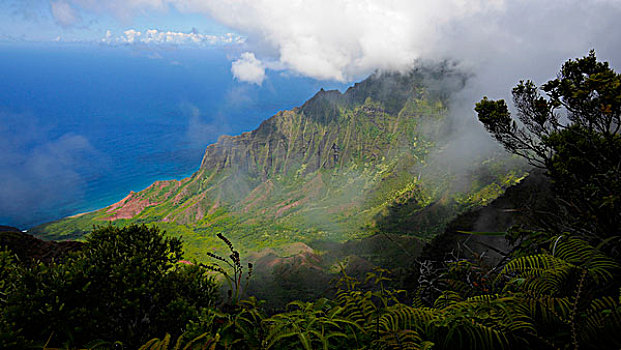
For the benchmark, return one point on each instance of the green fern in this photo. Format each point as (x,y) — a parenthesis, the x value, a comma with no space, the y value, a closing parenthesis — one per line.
(446,299)
(309,325)
(548,300)
(562,290)
(203,342)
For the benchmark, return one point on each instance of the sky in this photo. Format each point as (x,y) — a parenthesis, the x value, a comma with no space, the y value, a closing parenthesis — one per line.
(105,49)
(341,40)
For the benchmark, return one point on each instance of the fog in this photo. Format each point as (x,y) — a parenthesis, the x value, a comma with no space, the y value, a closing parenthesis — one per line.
(40,176)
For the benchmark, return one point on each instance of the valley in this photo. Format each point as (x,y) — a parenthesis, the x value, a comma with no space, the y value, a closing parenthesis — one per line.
(342,166)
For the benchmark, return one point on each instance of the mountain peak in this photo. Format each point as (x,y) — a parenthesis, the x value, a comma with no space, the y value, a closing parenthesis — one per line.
(327,168)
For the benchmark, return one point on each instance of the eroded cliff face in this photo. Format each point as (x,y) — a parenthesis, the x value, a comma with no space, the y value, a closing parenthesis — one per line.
(333,152)
(328,168)
(292,161)
(327,131)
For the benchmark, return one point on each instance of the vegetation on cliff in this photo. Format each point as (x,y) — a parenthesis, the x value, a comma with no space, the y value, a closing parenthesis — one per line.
(338,167)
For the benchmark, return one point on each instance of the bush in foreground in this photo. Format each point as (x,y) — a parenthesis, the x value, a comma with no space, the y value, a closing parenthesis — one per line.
(124,286)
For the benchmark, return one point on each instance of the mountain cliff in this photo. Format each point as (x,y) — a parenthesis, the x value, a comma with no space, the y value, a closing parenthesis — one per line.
(342,165)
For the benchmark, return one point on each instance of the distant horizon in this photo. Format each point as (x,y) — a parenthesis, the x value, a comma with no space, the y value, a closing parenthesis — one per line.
(224,67)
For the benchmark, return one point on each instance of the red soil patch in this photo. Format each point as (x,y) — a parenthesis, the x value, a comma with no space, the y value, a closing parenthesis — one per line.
(160,184)
(290,264)
(343,208)
(192,209)
(196,209)
(254,256)
(214,207)
(280,211)
(128,207)
(180,196)
(121,202)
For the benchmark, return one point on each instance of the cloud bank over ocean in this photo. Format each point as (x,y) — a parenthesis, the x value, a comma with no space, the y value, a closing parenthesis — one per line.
(345,40)
(36,172)
(159,37)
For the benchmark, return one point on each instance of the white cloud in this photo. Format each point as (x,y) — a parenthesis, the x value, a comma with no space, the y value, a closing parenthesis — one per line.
(107,38)
(347,39)
(64,13)
(249,69)
(341,39)
(131,35)
(156,37)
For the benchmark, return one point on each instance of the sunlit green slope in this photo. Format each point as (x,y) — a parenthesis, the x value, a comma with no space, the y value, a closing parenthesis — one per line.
(340,166)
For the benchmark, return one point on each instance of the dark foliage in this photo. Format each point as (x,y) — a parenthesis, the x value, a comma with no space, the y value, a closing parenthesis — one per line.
(124,286)
(573,133)
(29,248)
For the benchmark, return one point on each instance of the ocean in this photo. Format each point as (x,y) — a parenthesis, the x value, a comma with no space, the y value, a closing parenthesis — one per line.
(82,125)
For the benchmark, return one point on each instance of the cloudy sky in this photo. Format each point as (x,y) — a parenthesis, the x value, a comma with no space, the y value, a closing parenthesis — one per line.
(340,40)
(112,57)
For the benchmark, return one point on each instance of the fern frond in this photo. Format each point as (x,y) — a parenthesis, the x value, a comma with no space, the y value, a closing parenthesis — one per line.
(486,298)
(150,344)
(533,265)
(417,300)
(446,299)
(399,317)
(463,333)
(191,343)
(548,308)
(602,321)
(579,252)
(402,339)
(164,344)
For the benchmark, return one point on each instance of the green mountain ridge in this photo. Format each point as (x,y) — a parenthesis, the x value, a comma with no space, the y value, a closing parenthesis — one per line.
(343,165)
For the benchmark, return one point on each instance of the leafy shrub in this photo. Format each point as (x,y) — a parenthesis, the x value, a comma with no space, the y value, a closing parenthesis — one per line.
(10,334)
(126,285)
(572,132)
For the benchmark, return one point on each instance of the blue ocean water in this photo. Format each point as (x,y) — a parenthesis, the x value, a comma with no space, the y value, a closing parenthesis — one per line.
(82,125)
